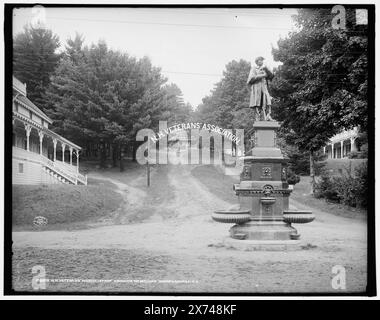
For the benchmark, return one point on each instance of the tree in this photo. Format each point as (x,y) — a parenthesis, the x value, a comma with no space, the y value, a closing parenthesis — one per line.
(180,111)
(227,99)
(227,105)
(321,87)
(34,60)
(102,97)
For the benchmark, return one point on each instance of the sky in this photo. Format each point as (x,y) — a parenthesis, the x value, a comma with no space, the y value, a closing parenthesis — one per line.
(191,46)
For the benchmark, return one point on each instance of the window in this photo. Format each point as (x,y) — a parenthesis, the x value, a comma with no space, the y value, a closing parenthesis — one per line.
(20,168)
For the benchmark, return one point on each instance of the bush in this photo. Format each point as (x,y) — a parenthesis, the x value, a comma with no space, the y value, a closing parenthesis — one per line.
(320,168)
(299,163)
(347,189)
(358,155)
(361,173)
(325,188)
(293,178)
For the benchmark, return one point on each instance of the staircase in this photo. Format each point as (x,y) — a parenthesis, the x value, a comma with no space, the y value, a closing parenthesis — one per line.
(63,172)
(60,177)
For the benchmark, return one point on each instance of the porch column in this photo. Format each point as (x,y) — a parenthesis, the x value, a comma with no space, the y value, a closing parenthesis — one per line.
(71,156)
(353,147)
(55,149)
(41,134)
(63,151)
(77,154)
(28,128)
(341,149)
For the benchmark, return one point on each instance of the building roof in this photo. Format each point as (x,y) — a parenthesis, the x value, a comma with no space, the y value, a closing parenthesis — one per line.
(31,106)
(21,97)
(19,86)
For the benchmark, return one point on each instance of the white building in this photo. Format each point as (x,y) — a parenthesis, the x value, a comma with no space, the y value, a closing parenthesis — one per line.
(342,144)
(39,155)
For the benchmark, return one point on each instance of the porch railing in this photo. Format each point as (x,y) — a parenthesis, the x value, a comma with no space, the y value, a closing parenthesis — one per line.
(56,166)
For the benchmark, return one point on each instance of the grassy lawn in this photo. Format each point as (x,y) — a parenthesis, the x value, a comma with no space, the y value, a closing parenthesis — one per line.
(62,204)
(217,183)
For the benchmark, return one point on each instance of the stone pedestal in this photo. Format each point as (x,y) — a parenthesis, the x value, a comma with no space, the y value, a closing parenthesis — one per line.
(263,192)
(263,230)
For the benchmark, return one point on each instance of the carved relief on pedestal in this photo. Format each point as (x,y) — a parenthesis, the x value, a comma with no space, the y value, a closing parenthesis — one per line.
(267,190)
(284,174)
(246,174)
(266,172)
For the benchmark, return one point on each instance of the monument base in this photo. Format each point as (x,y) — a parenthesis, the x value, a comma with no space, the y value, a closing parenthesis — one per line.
(262,245)
(264,230)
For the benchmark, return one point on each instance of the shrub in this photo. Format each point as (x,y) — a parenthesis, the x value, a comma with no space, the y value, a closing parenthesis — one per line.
(299,163)
(346,188)
(361,174)
(293,178)
(325,188)
(319,168)
(358,154)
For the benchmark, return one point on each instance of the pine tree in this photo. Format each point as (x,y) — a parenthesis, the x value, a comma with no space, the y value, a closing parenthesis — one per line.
(34,59)
(102,97)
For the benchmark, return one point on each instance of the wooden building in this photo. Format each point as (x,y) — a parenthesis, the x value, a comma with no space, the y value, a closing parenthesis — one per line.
(39,155)
(342,144)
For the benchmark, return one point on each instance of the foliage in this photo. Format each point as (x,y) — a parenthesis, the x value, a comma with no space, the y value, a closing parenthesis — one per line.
(325,188)
(358,154)
(102,96)
(298,160)
(293,178)
(321,87)
(225,105)
(319,163)
(34,60)
(362,143)
(348,189)
(361,174)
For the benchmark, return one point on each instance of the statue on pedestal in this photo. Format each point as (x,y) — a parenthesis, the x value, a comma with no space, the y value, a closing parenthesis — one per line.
(260,99)
(262,219)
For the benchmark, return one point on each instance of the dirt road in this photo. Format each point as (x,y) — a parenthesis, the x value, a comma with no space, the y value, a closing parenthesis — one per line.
(165,234)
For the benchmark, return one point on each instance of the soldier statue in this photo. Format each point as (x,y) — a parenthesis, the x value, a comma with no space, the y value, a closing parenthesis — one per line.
(260,99)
